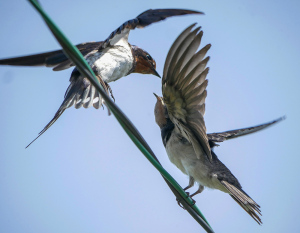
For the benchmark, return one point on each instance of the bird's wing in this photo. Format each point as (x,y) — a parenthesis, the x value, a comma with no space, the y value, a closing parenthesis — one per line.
(59,61)
(120,35)
(56,59)
(184,88)
(220,137)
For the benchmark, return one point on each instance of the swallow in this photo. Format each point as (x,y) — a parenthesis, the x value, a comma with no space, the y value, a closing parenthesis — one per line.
(111,60)
(180,117)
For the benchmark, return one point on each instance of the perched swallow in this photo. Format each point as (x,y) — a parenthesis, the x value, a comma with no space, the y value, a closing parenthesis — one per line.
(180,116)
(111,60)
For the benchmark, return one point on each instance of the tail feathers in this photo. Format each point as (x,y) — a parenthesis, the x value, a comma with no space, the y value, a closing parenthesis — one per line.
(79,94)
(73,99)
(246,202)
(70,100)
(57,115)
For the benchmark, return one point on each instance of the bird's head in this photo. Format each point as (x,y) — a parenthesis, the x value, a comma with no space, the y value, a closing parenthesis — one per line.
(143,62)
(160,112)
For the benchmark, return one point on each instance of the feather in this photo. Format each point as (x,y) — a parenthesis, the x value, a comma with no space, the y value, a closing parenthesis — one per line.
(222,136)
(56,59)
(246,202)
(173,49)
(181,48)
(184,92)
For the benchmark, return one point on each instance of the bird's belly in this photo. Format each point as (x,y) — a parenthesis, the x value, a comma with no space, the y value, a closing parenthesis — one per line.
(179,153)
(114,64)
(202,173)
(184,157)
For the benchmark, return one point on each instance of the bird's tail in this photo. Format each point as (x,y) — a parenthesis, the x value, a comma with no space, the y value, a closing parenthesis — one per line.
(56,116)
(69,101)
(246,202)
(80,93)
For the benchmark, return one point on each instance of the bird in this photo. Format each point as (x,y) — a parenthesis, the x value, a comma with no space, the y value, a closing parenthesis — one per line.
(110,60)
(179,113)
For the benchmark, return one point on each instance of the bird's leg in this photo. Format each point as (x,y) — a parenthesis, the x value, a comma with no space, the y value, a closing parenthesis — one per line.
(200,189)
(191,184)
(110,90)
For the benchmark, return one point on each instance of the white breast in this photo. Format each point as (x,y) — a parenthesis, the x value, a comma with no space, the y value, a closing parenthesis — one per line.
(113,63)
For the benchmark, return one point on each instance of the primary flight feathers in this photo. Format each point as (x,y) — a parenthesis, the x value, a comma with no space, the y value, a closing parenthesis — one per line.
(184,88)
(222,136)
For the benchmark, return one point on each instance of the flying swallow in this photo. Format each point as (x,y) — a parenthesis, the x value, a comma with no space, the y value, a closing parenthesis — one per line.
(111,60)
(180,116)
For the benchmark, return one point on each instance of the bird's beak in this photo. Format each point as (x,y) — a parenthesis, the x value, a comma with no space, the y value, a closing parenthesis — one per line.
(156,73)
(157,97)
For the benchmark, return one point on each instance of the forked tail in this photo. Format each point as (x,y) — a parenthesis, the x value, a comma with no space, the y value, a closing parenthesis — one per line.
(246,202)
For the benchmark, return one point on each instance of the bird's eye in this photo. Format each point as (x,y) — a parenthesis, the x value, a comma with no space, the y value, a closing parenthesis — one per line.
(149,57)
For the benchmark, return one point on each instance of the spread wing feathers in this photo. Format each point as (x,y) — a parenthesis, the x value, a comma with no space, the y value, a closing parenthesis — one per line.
(56,59)
(120,35)
(173,48)
(220,137)
(60,61)
(184,88)
(246,202)
(80,93)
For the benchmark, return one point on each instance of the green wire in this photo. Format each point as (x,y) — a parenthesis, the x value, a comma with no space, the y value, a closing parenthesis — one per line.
(74,54)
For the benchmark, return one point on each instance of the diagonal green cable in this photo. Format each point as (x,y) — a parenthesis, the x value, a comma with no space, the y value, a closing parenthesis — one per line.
(73,53)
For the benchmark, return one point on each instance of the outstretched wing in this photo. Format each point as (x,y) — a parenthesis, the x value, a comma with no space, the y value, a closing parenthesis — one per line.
(120,35)
(184,88)
(220,137)
(56,59)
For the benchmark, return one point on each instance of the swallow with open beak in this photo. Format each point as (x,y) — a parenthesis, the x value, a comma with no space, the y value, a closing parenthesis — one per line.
(180,116)
(111,60)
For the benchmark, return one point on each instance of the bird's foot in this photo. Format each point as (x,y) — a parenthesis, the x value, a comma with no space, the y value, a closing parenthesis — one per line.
(179,203)
(194,202)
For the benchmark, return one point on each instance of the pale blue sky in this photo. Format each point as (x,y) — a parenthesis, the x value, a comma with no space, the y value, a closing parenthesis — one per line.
(85,175)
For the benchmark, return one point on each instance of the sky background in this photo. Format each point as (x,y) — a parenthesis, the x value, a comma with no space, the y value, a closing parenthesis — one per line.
(85,175)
